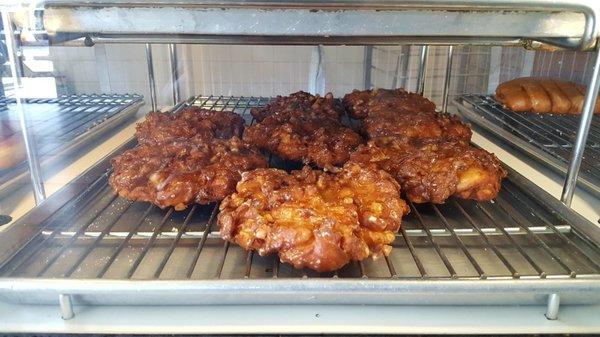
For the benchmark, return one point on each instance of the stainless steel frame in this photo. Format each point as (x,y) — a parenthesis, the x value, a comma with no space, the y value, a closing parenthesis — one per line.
(422,70)
(566,24)
(584,128)
(540,251)
(447,79)
(570,24)
(174,72)
(151,81)
(35,172)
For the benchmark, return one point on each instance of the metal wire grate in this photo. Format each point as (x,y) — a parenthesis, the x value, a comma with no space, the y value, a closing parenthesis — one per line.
(62,124)
(98,235)
(548,138)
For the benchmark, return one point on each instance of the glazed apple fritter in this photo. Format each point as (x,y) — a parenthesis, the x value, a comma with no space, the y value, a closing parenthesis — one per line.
(398,113)
(433,170)
(417,125)
(361,104)
(314,219)
(185,171)
(306,135)
(315,104)
(165,127)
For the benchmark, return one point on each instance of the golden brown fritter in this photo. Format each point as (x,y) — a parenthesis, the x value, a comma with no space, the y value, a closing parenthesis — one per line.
(306,136)
(165,127)
(433,170)
(361,104)
(417,125)
(182,172)
(303,101)
(314,219)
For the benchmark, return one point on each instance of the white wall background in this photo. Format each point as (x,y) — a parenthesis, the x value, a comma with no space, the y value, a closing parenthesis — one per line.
(204,69)
(277,70)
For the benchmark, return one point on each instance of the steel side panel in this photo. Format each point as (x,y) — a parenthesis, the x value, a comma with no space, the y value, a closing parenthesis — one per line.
(308,22)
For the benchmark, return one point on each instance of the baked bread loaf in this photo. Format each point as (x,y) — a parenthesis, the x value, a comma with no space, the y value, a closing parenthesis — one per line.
(543,95)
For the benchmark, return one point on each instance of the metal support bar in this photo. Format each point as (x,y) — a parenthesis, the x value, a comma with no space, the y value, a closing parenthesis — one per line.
(553,306)
(316,72)
(151,81)
(584,128)
(447,79)
(174,72)
(405,62)
(35,171)
(422,70)
(368,65)
(66,306)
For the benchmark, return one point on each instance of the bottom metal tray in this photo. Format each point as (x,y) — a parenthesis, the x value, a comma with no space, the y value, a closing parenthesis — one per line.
(87,246)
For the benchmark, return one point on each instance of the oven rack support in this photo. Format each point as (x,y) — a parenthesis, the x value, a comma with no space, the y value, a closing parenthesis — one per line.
(582,134)
(33,162)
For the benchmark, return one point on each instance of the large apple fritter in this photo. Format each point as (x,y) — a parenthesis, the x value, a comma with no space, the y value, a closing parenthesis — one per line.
(314,219)
(433,170)
(179,173)
(165,127)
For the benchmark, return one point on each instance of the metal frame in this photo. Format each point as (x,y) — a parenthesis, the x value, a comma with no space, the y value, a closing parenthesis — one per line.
(422,70)
(35,172)
(151,81)
(447,78)
(174,72)
(312,18)
(584,128)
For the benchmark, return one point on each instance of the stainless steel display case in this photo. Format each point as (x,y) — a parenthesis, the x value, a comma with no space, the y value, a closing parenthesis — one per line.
(65,251)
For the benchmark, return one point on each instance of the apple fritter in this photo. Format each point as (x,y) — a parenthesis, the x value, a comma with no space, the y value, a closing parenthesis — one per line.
(433,170)
(165,127)
(314,219)
(194,170)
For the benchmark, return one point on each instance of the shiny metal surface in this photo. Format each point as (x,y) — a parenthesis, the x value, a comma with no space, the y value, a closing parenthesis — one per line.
(174,72)
(447,79)
(368,63)
(548,139)
(151,81)
(296,40)
(583,130)
(106,250)
(422,70)
(571,24)
(35,172)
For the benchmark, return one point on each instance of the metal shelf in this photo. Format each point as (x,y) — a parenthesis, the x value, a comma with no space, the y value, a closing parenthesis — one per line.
(570,24)
(546,138)
(63,125)
(87,242)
